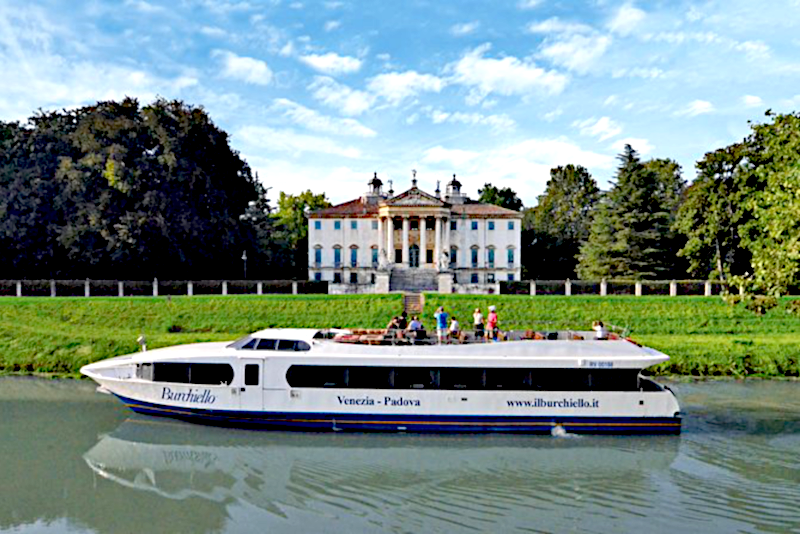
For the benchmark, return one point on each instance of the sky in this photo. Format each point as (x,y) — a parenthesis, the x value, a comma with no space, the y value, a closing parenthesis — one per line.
(320,95)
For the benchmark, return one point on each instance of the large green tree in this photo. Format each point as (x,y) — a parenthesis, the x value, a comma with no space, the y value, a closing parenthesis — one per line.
(772,235)
(712,215)
(120,190)
(504,197)
(555,228)
(291,221)
(631,234)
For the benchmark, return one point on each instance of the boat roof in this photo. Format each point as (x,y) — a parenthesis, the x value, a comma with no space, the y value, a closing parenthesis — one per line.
(295,334)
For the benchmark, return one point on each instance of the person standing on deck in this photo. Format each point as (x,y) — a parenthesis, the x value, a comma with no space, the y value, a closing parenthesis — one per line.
(491,323)
(441,323)
(477,322)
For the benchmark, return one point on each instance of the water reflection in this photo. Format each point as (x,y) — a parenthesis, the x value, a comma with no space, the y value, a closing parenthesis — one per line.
(387,479)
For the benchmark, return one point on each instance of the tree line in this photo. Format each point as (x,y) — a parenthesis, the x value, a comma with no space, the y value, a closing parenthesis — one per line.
(738,221)
(123,191)
(128,191)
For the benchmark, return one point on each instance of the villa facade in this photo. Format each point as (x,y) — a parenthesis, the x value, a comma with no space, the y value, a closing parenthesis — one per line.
(414,241)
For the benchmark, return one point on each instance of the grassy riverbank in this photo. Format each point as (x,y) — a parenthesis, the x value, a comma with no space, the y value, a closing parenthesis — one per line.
(704,336)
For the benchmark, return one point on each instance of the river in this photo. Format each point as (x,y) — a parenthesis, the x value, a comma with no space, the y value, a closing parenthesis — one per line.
(76,461)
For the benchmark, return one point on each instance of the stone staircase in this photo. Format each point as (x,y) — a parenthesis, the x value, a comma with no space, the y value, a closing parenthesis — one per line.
(413,280)
(413,303)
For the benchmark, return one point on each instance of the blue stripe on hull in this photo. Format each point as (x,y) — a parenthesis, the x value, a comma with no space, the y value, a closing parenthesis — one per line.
(411,423)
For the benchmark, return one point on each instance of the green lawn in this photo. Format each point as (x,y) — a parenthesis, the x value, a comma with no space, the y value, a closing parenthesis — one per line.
(704,336)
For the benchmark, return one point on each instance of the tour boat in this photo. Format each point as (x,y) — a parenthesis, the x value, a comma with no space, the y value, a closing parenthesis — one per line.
(340,380)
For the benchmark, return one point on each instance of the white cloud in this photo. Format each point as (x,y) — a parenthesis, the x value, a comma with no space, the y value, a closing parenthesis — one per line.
(332,25)
(645,73)
(524,166)
(144,7)
(395,87)
(452,156)
(246,69)
(550,116)
(576,52)
(529,4)
(332,63)
(556,25)
(317,122)
(696,107)
(625,20)
(611,100)
(213,31)
(751,101)
(642,146)
(497,123)
(602,128)
(335,95)
(505,76)
(753,50)
(289,141)
(464,29)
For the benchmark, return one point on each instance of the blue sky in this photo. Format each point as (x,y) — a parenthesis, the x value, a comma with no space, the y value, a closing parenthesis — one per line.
(319,95)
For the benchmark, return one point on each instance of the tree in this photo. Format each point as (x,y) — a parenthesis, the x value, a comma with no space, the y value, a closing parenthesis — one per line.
(772,235)
(713,213)
(505,197)
(120,190)
(555,228)
(631,233)
(292,226)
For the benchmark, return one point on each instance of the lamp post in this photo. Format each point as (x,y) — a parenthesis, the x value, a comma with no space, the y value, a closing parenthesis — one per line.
(244,259)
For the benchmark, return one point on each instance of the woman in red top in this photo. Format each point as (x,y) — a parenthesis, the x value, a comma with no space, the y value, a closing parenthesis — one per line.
(491,323)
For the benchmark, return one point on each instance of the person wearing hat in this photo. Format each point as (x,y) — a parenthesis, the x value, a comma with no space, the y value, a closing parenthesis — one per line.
(477,322)
(491,323)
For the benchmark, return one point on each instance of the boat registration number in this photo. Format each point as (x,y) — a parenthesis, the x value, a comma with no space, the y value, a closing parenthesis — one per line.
(601,365)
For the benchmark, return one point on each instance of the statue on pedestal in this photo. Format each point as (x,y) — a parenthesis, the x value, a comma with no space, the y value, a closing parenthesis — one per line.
(444,261)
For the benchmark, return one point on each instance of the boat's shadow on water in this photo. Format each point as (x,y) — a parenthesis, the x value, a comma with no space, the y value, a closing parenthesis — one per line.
(382,476)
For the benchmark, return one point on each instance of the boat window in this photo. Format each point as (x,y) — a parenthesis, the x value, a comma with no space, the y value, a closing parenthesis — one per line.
(316,376)
(416,378)
(462,378)
(370,377)
(144,371)
(251,372)
(193,373)
(267,344)
(250,344)
(302,345)
(505,378)
(465,378)
(286,344)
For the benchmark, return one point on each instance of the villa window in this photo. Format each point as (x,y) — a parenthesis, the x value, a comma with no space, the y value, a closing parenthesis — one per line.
(474,225)
(453,256)
(454,225)
(354,225)
(490,278)
(374,225)
(353,278)
(317,256)
(317,225)
(491,258)
(337,278)
(474,257)
(354,257)
(337,225)
(374,252)
(473,278)
(511,257)
(510,225)
(318,277)
(337,257)
(491,225)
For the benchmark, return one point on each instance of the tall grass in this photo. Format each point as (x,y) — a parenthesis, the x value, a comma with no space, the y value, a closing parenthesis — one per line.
(704,336)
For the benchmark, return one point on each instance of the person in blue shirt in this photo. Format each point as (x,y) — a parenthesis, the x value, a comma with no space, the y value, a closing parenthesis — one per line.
(441,317)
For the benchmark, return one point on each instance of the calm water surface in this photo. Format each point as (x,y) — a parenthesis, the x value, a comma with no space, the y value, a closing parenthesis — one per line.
(76,461)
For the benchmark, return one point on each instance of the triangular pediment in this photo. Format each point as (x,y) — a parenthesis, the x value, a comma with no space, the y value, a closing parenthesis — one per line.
(415,197)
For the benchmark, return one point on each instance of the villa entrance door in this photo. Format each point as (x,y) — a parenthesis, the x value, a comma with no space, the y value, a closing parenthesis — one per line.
(413,256)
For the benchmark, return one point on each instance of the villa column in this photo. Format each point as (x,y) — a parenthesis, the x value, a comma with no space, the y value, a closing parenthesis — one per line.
(446,223)
(405,240)
(437,242)
(423,241)
(381,240)
(390,240)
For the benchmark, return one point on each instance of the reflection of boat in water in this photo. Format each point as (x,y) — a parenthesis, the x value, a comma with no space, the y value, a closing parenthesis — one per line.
(179,461)
(308,379)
